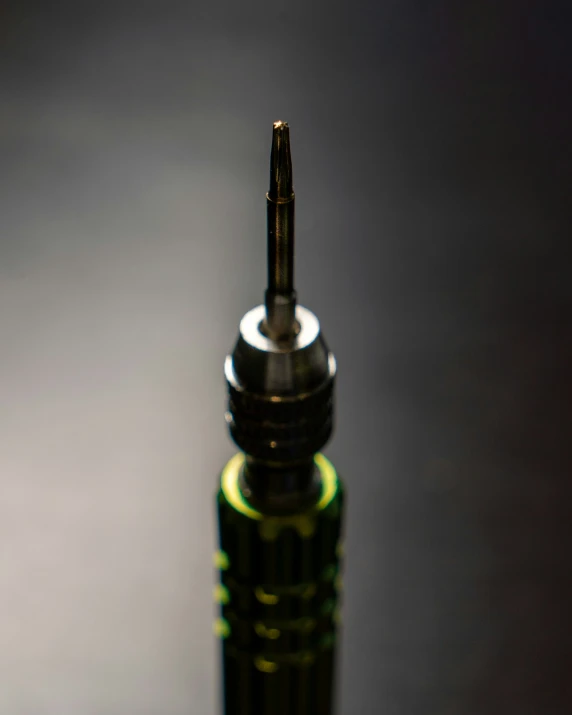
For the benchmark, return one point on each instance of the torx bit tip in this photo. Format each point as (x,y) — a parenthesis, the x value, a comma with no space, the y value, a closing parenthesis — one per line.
(280,296)
(280,163)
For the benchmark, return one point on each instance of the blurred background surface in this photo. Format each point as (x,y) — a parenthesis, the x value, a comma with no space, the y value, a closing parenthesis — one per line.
(432,167)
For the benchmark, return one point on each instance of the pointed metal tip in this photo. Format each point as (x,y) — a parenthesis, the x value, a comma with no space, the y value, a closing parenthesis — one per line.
(280,163)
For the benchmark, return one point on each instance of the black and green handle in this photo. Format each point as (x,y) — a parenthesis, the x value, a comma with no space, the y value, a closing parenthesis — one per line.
(279,596)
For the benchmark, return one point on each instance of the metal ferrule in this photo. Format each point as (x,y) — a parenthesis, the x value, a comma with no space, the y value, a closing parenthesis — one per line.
(280,406)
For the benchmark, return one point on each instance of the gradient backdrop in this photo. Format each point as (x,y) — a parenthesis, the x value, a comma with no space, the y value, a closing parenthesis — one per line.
(432,158)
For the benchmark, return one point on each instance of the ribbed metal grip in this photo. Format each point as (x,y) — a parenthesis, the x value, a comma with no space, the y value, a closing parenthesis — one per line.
(279,594)
(281,430)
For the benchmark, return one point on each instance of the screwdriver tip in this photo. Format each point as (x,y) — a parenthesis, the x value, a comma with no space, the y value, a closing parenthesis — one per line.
(280,163)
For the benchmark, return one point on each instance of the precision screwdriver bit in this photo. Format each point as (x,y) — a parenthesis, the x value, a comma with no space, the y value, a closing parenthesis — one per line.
(280,297)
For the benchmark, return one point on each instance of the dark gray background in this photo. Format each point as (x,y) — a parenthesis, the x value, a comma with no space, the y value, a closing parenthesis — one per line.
(431,148)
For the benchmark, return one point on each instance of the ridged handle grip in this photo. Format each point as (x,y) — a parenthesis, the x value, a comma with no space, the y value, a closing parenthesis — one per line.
(279,594)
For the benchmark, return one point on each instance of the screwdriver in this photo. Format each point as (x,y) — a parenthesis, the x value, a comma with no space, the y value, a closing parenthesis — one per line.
(280,500)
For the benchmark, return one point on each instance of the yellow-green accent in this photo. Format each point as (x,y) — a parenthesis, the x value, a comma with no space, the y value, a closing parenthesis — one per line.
(269,599)
(231,489)
(221,628)
(220,560)
(270,526)
(329,480)
(307,625)
(264,632)
(309,592)
(302,625)
(305,658)
(303,590)
(265,666)
(221,594)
